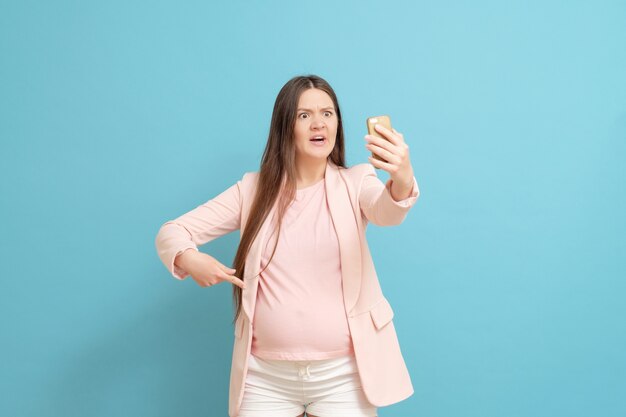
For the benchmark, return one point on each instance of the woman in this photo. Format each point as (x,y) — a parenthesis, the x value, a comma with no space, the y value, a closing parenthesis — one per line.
(313,331)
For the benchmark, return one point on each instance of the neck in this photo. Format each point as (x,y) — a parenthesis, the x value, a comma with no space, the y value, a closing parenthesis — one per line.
(309,171)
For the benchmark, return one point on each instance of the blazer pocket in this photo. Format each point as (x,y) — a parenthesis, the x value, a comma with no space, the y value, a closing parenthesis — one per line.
(381,313)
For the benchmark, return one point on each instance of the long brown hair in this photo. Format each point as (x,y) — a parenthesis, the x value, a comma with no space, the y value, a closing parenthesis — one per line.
(277,176)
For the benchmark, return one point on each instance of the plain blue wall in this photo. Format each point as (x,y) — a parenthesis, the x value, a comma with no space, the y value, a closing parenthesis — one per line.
(507,277)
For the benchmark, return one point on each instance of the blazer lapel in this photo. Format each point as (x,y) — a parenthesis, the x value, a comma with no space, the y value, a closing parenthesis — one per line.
(344,220)
(253,266)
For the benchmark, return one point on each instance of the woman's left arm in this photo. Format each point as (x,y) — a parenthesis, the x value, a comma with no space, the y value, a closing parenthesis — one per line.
(395,151)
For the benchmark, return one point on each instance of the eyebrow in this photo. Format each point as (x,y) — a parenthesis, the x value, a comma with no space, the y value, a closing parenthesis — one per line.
(323,108)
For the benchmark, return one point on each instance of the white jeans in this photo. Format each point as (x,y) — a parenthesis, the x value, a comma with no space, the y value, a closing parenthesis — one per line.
(324,388)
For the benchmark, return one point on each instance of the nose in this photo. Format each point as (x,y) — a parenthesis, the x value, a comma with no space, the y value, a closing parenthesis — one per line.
(317,122)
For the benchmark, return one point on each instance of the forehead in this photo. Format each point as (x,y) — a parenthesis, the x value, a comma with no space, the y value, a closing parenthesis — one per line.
(314,97)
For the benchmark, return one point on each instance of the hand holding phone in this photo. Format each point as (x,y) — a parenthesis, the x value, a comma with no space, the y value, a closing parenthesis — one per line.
(373,121)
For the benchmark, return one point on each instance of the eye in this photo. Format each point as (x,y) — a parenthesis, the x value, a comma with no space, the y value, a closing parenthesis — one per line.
(302,114)
(329,113)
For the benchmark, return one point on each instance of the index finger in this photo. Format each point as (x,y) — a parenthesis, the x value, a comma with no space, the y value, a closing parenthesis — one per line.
(391,136)
(224,267)
(236,281)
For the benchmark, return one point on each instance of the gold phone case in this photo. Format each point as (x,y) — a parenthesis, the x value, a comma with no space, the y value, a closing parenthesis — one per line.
(381,120)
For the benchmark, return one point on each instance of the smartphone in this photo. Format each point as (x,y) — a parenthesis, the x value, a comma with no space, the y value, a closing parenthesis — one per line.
(373,121)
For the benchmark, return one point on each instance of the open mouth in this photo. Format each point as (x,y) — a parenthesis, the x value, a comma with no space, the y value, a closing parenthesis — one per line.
(318,139)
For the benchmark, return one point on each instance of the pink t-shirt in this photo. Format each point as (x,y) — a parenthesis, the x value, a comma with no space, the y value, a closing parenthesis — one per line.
(299,313)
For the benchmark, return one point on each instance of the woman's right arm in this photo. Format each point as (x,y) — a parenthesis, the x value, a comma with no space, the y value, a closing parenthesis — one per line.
(205,269)
(217,217)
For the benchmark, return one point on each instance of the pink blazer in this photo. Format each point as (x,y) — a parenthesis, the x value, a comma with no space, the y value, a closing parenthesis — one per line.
(355,197)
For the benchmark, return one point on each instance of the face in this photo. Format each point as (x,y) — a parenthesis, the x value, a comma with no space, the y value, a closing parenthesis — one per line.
(316,117)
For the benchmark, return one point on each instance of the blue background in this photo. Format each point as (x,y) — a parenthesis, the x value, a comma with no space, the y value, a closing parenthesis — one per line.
(507,277)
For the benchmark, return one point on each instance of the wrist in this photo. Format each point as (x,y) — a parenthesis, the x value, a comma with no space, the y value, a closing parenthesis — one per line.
(403,181)
(185,259)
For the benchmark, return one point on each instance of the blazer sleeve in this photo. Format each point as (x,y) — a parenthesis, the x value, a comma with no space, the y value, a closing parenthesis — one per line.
(217,217)
(377,204)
